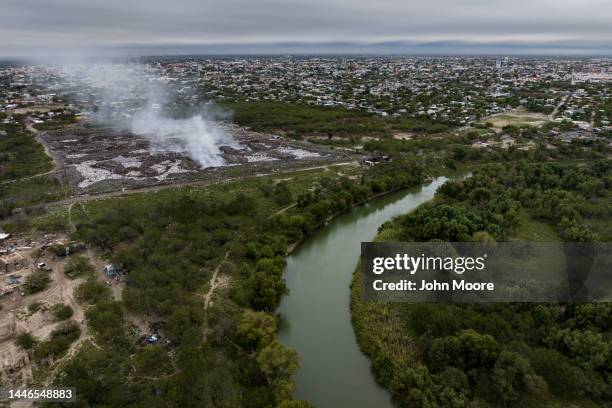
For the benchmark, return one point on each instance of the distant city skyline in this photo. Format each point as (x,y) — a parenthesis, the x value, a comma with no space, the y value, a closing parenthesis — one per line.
(76,28)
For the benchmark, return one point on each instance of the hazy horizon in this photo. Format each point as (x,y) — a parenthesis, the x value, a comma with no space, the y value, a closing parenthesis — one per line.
(74,28)
(239,51)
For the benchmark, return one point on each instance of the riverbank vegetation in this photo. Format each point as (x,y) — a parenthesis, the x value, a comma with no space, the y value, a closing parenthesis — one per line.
(203,267)
(219,350)
(497,355)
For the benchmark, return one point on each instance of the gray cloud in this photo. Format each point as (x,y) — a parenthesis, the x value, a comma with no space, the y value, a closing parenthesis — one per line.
(44,27)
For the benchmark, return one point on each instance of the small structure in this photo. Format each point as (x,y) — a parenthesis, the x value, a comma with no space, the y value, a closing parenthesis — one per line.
(111,271)
(373,160)
(149,339)
(12,262)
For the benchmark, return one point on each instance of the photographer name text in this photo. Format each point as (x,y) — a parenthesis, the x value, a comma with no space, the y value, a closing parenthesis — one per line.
(432,286)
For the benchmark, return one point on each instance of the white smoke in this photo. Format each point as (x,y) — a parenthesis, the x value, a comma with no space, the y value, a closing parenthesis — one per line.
(132,97)
(195,136)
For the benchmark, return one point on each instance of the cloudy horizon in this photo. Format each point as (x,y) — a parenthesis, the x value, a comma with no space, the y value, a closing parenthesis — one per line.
(40,28)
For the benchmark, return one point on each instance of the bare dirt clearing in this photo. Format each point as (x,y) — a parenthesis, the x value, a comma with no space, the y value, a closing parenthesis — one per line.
(33,313)
(517,118)
(403,135)
(103,159)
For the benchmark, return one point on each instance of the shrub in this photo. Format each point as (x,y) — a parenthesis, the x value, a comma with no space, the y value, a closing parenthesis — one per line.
(61,312)
(92,292)
(59,341)
(34,307)
(58,249)
(78,266)
(25,340)
(37,282)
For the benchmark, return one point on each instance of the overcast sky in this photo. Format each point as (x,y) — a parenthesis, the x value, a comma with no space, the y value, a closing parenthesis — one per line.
(59,27)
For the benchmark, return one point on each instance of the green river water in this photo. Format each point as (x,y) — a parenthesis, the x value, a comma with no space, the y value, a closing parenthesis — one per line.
(333,372)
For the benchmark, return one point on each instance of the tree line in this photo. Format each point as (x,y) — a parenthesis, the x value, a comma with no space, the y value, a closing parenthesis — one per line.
(497,355)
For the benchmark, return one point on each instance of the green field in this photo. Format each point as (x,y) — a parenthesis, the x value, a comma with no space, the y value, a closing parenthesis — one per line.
(23,170)
(533,230)
(20,155)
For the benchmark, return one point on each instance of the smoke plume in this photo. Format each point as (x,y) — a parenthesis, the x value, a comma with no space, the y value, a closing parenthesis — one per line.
(139,99)
(195,136)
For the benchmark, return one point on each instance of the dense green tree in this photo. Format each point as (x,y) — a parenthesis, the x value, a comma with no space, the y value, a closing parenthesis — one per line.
(468,349)
(282,194)
(256,329)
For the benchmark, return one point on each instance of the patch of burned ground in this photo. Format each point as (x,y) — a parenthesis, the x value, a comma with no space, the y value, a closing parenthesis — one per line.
(99,159)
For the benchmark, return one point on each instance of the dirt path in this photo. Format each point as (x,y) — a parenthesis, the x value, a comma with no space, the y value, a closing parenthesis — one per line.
(57,164)
(559,105)
(72,226)
(67,288)
(214,282)
(282,210)
(47,173)
(74,348)
(38,139)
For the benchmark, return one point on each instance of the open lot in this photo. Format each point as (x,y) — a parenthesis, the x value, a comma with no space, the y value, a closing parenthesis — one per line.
(32,313)
(517,118)
(95,159)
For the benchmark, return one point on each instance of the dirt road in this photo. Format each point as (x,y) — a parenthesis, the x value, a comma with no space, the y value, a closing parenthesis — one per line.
(213,282)
(559,105)
(57,161)
(282,210)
